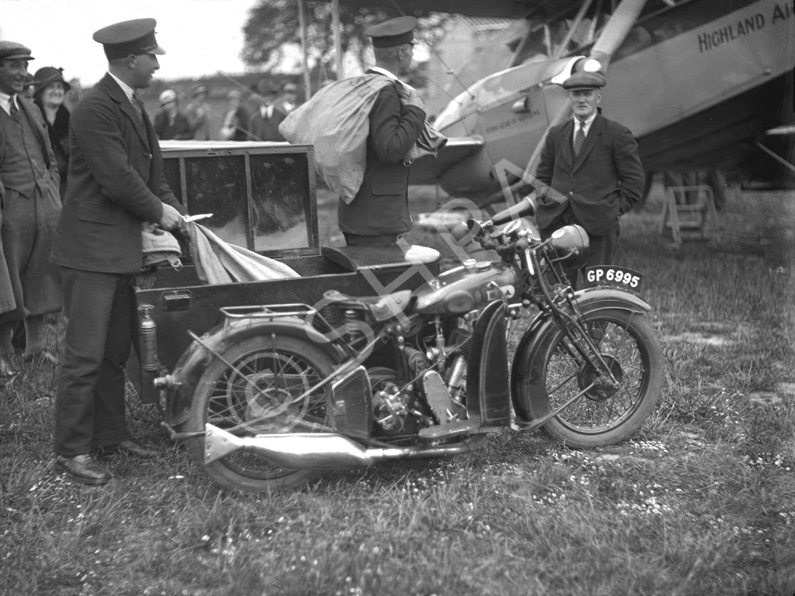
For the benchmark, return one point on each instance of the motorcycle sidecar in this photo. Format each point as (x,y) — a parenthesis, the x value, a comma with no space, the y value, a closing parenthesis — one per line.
(262,196)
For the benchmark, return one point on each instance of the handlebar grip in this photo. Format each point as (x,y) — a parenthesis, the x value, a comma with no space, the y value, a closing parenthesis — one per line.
(523,208)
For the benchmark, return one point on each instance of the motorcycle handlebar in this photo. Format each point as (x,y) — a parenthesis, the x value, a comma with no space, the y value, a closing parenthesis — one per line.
(524,208)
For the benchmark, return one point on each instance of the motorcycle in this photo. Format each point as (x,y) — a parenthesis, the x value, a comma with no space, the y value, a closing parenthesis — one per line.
(278,392)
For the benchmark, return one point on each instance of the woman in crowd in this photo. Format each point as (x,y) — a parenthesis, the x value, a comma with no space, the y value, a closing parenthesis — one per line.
(51,89)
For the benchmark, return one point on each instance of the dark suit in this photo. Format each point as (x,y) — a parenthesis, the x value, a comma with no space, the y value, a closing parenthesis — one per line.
(262,128)
(381,207)
(604,181)
(115,183)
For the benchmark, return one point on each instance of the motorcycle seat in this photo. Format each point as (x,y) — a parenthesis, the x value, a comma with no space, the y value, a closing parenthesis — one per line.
(381,307)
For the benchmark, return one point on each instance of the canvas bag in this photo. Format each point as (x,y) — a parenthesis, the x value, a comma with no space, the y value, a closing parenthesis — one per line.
(336,121)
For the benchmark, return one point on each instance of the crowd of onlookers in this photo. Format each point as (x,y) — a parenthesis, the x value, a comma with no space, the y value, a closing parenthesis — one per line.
(250,114)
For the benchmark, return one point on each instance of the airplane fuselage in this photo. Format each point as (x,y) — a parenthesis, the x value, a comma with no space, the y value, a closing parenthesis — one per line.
(696,84)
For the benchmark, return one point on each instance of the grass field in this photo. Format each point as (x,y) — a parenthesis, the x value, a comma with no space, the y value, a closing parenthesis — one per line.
(701,501)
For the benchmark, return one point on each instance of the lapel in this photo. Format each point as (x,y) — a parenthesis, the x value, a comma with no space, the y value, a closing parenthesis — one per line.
(597,127)
(36,121)
(116,94)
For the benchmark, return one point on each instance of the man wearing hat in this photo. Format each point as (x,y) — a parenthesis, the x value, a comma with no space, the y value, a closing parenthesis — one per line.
(593,164)
(29,180)
(115,185)
(379,214)
(235,126)
(288,100)
(198,114)
(170,122)
(263,125)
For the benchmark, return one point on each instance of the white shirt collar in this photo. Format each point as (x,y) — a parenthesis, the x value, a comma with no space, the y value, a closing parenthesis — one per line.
(383,71)
(586,126)
(128,91)
(5,102)
(266,111)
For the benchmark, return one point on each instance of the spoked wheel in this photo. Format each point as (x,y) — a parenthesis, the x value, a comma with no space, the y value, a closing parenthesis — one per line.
(605,413)
(264,390)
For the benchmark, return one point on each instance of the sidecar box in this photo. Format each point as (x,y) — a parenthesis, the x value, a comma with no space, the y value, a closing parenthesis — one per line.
(262,196)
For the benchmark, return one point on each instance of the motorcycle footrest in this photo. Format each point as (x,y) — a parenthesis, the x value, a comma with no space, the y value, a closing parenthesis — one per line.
(451,429)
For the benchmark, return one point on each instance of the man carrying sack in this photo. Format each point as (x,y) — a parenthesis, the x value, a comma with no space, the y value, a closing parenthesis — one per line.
(364,130)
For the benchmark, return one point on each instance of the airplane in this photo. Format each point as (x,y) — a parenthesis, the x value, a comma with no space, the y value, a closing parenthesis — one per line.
(698,82)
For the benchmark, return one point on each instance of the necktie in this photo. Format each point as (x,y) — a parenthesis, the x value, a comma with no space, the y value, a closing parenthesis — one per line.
(14,110)
(579,139)
(138,109)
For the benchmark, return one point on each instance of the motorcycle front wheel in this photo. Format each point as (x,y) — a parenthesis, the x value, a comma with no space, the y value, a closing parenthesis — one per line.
(258,386)
(554,373)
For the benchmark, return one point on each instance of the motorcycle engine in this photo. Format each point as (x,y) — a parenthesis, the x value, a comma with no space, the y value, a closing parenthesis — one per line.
(391,407)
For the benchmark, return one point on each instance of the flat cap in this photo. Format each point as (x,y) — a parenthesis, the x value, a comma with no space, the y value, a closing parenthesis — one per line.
(588,74)
(129,37)
(392,33)
(11,50)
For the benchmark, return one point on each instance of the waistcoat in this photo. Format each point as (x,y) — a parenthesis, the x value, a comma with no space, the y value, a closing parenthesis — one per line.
(23,167)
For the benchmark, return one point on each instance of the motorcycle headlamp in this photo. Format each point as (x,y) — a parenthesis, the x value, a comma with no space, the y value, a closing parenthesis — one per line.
(570,245)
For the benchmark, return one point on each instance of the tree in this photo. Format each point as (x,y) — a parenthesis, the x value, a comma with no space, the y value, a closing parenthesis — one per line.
(273,25)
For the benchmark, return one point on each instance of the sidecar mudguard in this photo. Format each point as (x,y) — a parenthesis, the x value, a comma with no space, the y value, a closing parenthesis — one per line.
(487,368)
(176,399)
(532,344)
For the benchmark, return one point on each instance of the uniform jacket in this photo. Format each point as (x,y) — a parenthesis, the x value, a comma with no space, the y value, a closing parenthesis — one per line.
(115,183)
(381,205)
(266,129)
(602,182)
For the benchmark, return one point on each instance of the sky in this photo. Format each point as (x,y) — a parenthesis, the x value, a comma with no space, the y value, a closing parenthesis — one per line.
(201,37)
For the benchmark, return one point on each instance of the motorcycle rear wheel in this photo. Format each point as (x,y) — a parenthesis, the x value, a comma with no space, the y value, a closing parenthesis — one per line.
(257,395)
(629,346)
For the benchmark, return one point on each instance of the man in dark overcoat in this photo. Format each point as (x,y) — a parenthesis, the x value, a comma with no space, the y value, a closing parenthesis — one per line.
(592,165)
(379,214)
(29,196)
(263,124)
(115,184)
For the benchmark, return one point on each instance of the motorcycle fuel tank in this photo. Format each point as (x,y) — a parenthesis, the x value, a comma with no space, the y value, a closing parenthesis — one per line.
(470,286)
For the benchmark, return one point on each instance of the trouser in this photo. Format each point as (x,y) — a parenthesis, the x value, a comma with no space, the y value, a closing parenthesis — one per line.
(89,403)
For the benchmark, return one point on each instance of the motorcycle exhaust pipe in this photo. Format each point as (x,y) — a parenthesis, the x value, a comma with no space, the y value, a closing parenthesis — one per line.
(319,451)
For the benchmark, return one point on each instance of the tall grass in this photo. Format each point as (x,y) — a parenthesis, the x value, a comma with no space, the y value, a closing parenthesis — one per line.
(700,501)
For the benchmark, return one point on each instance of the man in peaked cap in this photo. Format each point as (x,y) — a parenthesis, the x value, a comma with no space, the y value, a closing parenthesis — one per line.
(115,184)
(593,164)
(379,214)
(29,180)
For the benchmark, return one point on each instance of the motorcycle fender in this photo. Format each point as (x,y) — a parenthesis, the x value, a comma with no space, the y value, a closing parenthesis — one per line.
(531,345)
(487,368)
(176,400)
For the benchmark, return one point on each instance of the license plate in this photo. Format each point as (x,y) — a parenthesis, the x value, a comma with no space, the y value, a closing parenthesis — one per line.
(604,275)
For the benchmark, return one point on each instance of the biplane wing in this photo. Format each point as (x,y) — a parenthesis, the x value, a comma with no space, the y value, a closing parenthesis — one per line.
(428,169)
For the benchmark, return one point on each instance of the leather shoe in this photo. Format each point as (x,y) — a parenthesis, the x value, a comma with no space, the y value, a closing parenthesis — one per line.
(84,469)
(131,448)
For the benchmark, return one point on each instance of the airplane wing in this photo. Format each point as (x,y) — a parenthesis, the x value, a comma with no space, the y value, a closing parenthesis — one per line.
(503,9)
(427,169)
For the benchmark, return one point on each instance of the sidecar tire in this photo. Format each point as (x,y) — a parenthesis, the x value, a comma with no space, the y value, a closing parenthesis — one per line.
(590,423)
(219,392)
